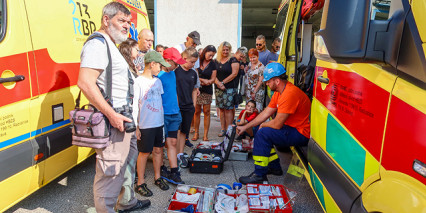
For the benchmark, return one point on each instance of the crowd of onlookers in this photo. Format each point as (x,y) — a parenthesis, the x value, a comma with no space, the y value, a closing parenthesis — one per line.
(187,83)
(168,88)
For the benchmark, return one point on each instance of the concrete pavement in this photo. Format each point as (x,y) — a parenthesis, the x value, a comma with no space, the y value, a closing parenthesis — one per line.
(72,192)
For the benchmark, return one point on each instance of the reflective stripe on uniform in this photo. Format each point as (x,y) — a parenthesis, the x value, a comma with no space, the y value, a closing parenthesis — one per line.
(264,161)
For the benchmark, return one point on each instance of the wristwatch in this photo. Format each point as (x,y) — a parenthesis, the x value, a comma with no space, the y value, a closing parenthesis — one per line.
(222,83)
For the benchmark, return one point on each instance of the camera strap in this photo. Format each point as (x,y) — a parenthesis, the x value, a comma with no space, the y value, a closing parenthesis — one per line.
(108,94)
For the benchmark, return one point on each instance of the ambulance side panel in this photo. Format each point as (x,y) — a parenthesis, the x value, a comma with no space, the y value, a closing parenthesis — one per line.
(368,128)
(42,43)
(16,58)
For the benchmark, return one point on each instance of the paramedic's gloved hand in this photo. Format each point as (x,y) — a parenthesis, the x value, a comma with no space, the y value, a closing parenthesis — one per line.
(117,121)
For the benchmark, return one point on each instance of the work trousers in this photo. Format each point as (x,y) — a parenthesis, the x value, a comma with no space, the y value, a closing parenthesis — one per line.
(110,184)
(264,155)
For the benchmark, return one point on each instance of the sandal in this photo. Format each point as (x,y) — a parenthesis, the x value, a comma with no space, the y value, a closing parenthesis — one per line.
(222,133)
(191,130)
(195,136)
(143,190)
(205,138)
(160,182)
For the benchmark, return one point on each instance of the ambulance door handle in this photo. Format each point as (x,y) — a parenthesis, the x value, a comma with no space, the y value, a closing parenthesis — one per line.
(323,80)
(12,79)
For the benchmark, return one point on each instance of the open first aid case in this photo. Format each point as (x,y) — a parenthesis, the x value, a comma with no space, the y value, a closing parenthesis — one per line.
(254,198)
(208,157)
(192,198)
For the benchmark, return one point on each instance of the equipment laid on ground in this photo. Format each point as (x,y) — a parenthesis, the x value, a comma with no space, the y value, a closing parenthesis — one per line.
(189,198)
(238,152)
(208,157)
(270,198)
(224,199)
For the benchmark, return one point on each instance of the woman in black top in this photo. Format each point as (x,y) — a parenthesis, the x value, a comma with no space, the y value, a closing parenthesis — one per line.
(207,75)
(227,70)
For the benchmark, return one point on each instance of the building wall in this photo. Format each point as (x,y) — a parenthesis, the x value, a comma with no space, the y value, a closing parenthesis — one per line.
(215,20)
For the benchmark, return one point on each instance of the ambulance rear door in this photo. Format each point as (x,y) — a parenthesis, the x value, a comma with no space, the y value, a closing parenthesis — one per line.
(17,88)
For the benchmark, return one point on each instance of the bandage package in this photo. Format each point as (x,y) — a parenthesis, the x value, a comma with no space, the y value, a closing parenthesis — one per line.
(270,198)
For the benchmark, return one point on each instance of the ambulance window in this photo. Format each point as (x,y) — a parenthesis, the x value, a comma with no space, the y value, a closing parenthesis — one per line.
(383,9)
(411,61)
(2,19)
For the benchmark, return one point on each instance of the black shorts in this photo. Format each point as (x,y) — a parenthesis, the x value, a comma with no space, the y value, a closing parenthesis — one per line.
(150,138)
(187,116)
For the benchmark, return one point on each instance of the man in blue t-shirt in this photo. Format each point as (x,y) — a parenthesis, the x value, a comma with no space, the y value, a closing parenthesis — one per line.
(172,116)
(264,55)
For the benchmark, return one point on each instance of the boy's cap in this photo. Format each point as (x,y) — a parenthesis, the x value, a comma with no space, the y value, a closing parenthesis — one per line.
(195,36)
(174,55)
(154,56)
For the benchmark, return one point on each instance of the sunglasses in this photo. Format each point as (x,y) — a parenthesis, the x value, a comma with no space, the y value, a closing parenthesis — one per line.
(259,44)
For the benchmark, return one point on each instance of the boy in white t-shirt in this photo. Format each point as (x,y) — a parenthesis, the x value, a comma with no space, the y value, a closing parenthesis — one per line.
(150,120)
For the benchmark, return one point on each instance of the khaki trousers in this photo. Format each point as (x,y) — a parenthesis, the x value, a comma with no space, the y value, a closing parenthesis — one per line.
(111,165)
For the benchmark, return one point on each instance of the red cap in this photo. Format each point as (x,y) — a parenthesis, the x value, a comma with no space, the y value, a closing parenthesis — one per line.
(174,55)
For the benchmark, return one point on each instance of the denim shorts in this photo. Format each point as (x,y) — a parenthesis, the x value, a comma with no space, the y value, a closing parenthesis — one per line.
(171,123)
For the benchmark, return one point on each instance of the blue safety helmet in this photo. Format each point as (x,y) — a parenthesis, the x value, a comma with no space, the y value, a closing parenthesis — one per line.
(273,69)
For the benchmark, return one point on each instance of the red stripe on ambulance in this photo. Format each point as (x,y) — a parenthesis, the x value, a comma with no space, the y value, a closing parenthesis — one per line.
(404,140)
(358,103)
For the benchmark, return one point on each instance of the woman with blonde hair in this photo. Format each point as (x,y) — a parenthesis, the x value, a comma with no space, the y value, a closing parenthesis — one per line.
(226,87)
(207,74)
(254,87)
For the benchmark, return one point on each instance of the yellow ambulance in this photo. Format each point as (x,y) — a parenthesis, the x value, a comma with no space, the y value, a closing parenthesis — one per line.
(367,151)
(40,45)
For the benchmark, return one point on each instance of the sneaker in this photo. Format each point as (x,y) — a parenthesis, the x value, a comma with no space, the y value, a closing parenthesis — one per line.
(253,178)
(183,161)
(140,205)
(164,172)
(276,172)
(188,144)
(143,190)
(175,178)
(160,182)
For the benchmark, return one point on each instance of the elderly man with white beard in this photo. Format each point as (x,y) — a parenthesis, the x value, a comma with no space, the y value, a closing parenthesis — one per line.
(112,191)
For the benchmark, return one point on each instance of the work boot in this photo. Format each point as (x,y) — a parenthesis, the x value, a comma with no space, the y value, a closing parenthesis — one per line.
(140,205)
(253,178)
(276,172)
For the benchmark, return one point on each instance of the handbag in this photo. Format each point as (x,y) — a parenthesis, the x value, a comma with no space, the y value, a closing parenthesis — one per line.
(90,128)
(238,99)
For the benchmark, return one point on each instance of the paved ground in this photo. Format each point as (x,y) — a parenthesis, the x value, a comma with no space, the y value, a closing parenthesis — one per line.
(72,192)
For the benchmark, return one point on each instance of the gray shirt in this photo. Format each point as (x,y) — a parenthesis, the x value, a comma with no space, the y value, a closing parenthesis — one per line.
(140,60)
(94,55)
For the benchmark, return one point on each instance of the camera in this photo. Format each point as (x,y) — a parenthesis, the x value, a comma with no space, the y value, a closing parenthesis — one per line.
(128,126)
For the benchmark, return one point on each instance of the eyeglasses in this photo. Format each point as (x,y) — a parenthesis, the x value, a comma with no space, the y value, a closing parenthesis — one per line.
(259,44)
